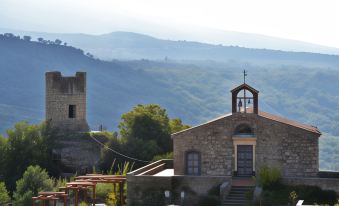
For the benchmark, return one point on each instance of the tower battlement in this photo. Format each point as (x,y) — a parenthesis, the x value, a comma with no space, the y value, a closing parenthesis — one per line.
(66,101)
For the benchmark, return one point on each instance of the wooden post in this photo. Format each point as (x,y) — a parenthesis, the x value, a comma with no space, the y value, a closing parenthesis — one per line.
(76,197)
(65,200)
(94,195)
(85,195)
(55,202)
(121,187)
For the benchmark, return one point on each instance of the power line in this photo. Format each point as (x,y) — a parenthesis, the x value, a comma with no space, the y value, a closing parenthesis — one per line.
(116,152)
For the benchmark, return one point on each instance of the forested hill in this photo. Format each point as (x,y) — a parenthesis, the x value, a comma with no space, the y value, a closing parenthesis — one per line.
(195,91)
(130,46)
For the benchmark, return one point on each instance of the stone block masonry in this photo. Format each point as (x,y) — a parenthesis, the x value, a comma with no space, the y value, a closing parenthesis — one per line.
(66,101)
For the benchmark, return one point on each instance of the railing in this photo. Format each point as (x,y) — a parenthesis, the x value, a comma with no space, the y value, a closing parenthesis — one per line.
(153,168)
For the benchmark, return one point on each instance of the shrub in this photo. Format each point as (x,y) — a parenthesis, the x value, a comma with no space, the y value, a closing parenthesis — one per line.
(33,181)
(210,200)
(285,194)
(4,197)
(268,177)
(107,191)
(168,155)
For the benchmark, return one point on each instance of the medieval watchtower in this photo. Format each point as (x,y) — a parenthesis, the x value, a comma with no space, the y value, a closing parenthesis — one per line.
(66,101)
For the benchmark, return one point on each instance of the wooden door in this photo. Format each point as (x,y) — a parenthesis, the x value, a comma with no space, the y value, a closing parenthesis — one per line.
(244,160)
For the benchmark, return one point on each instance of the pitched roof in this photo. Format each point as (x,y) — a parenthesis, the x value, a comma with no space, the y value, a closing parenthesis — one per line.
(244,86)
(269,116)
(283,120)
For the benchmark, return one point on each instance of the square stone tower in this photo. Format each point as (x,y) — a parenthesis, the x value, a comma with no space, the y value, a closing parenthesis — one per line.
(66,101)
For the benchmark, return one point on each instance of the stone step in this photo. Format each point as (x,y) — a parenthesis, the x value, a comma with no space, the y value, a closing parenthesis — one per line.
(234,203)
(237,192)
(237,196)
(242,188)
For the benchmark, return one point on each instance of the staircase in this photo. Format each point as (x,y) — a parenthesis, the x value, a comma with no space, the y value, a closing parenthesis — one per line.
(237,196)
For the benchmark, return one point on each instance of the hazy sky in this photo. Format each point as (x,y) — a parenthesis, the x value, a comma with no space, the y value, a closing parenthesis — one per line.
(306,20)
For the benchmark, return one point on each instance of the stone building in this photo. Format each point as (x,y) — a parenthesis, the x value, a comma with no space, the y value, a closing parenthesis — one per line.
(66,110)
(66,101)
(240,143)
(229,150)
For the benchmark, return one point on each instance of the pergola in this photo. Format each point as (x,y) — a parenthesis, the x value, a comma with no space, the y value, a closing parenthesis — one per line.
(97,178)
(50,196)
(83,184)
(76,187)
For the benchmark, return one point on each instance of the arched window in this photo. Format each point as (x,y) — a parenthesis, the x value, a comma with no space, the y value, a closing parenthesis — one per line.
(193,164)
(243,130)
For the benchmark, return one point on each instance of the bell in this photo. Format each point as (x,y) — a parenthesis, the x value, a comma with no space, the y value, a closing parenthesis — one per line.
(240,103)
(249,101)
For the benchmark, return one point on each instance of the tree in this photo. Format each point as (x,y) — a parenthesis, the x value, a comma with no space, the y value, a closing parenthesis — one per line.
(58,42)
(27,145)
(145,132)
(33,181)
(27,38)
(4,196)
(3,144)
(176,125)
(147,123)
(9,35)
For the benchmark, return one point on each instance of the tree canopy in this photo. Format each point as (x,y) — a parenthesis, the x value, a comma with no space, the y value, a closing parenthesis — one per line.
(26,145)
(145,132)
(33,181)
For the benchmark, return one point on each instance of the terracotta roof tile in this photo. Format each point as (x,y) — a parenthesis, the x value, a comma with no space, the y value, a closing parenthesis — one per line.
(266,115)
(287,121)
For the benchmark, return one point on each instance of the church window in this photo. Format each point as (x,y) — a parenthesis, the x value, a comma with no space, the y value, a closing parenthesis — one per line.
(243,129)
(71,111)
(193,163)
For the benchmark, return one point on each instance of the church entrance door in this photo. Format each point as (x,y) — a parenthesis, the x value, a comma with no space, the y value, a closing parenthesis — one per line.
(244,160)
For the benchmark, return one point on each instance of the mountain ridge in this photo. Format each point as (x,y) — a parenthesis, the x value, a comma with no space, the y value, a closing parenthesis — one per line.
(82,41)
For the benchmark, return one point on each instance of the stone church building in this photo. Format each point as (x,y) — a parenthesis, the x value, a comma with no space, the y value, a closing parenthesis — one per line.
(225,152)
(238,144)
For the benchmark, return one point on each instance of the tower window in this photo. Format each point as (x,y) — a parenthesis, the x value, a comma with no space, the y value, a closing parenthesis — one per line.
(71,111)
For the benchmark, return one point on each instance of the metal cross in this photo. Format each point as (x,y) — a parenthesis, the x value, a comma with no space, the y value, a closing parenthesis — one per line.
(245,74)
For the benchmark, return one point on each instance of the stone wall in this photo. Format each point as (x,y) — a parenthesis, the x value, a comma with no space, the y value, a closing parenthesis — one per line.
(77,152)
(323,183)
(62,92)
(141,188)
(215,147)
(292,149)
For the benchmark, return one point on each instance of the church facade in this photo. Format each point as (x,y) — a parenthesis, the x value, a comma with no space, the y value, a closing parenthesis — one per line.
(238,144)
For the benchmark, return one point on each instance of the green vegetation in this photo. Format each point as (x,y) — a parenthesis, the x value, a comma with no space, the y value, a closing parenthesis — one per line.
(147,126)
(33,181)
(168,155)
(26,145)
(211,199)
(283,194)
(145,134)
(4,195)
(328,152)
(268,177)
(276,193)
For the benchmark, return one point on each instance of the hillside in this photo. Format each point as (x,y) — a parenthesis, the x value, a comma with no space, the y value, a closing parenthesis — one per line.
(130,46)
(191,33)
(195,91)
